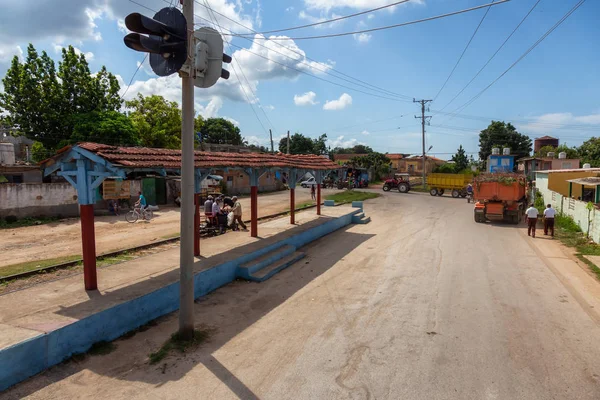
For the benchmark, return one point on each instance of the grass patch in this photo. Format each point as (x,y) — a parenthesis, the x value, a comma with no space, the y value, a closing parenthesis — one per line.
(19,223)
(32,265)
(175,343)
(569,233)
(348,196)
(105,261)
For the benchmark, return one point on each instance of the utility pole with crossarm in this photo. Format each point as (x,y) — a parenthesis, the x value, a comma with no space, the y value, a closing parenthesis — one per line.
(423,122)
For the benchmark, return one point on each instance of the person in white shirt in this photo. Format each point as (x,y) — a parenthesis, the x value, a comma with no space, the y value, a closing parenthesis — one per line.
(532,216)
(549,214)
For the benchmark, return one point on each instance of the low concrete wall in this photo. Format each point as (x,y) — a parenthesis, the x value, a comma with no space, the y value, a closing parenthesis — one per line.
(576,209)
(38,199)
(34,355)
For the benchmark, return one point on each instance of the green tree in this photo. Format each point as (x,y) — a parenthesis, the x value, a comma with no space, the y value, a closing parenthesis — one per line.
(460,159)
(44,103)
(447,168)
(502,134)
(544,150)
(157,121)
(589,152)
(39,153)
(221,131)
(378,163)
(300,144)
(258,149)
(358,149)
(108,127)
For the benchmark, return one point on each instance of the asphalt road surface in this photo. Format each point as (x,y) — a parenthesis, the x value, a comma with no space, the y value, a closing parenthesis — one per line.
(422,303)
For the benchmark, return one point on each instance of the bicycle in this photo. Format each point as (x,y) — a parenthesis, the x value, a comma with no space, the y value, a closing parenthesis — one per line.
(135,214)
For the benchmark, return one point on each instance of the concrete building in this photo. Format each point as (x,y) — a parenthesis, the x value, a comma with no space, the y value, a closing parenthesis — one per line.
(544,141)
(414,165)
(530,165)
(21,144)
(500,163)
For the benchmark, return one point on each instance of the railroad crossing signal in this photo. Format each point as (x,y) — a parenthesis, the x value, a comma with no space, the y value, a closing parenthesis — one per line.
(209,58)
(166,41)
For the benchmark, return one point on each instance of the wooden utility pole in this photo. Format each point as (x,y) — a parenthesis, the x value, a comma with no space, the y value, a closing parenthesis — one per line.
(271,136)
(288,143)
(423,122)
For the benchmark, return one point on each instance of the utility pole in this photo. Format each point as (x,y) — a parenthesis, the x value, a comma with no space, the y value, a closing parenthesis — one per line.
(271,136)
(288,143)
(186,249)
(423,122)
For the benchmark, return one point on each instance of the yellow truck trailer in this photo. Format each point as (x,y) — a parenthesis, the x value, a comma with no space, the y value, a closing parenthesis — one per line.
(457,183)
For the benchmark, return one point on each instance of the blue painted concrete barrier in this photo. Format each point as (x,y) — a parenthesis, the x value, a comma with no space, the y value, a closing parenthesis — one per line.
(329,203)
(357,204)
(27,358)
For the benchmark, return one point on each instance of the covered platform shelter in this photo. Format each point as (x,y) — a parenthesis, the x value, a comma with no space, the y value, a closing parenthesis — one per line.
(589,188)
(86,165)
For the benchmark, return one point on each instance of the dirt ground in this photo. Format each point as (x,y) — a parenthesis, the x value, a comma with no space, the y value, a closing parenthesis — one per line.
(63,238)
(422,303)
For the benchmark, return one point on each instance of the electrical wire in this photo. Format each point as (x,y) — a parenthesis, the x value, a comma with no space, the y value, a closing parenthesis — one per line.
(248,82)
(493,55)
(388,26)
(540,40)
(330,20)
(463,52)
(133,76)
(303,55)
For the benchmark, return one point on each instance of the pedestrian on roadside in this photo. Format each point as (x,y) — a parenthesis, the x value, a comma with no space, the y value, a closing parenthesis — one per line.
(313,192)
(237,213)
(549,214)
(532,216)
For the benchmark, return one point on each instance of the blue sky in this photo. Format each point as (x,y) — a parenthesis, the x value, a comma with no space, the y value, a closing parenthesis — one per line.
(552,91)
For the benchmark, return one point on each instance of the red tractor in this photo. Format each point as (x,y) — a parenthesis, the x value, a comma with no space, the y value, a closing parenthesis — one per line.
(399,181)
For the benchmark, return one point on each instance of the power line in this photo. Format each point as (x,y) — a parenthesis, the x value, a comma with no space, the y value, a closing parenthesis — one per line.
(241,85)
(463,52)
(493,55)
(389,26)
(331,20)
(314,76)
(133,76)
(364,84)
(540,40)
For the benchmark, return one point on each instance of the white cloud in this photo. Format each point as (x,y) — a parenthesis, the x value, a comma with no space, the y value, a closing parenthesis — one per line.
(269,107)
(324,16)
(355,4)
(211,110)
(365,132)
(344,101)
(306,99)
(88,55)
(371,16)
(257,141)
(289,9)
(7,52)
(362,37)
(121,26)
(233,121)
(554,121)
(341,142)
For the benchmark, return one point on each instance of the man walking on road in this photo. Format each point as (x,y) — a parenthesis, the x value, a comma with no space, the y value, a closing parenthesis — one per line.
(532,215)
(549,214)
(237,212)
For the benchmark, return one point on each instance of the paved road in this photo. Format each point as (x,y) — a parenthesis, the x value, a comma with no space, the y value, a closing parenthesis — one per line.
(420,304)
(114,233)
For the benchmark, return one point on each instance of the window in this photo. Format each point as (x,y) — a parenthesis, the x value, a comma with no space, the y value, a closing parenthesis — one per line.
(493,161)
(505,162)
(566,165)
(230,178)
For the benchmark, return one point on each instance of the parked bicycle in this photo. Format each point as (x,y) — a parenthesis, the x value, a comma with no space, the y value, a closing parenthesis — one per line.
(137,213)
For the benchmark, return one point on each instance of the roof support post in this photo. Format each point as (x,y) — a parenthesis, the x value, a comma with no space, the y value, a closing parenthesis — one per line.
(254,176)
(570,189)
(597,195)
(319,179)
(292,178)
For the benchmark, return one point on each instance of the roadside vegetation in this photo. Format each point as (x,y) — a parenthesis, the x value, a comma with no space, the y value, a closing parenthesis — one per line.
(10,223)
(176,343)
(348,196)
(569,233)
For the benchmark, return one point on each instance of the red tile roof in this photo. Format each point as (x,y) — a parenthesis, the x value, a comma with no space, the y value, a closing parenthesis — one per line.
(144,157)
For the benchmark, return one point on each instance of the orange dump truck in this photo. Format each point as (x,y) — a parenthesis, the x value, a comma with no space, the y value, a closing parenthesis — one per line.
(499,197)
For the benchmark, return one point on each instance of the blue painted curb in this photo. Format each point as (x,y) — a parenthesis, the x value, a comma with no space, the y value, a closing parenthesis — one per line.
(32,356)
(357,204)
(329,203)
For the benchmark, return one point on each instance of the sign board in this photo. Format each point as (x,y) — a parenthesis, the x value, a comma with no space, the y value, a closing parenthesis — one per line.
(114,189)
